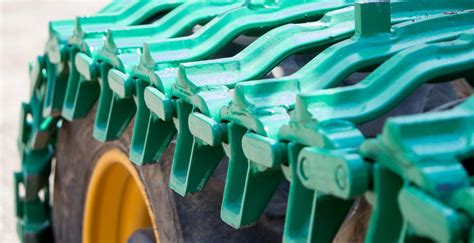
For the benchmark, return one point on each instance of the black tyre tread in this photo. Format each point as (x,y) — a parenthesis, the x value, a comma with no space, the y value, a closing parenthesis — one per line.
(194,218)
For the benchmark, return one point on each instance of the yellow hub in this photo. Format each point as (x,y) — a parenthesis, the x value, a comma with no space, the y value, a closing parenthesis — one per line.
(116,203)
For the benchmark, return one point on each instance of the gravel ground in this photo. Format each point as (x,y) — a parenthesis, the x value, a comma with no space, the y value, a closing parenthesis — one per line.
(24,26)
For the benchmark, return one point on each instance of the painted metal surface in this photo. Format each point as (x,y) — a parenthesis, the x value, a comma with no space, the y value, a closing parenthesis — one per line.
(158,65)
(138,61)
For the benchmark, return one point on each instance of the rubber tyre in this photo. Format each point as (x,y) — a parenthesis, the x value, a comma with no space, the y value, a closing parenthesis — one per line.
(194,218)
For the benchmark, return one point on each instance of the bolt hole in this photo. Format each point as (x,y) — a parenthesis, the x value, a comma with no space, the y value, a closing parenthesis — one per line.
(29,118)
(59,124)
(21,191)
(44,73)
(42,195)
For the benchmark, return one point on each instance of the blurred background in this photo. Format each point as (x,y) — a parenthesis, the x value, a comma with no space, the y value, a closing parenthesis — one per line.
(24,31)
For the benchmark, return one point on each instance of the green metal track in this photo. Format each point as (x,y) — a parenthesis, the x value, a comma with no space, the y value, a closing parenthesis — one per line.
(167,65)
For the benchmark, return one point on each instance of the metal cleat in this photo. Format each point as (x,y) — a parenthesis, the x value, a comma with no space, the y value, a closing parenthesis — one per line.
(119,42)
(245,197)
(331,67)
(460,49)
(61,30)
(216,92)
(444,224)
(191,179)
(207,84)
(93,50)
(33,214)
(36,130)
(387,86)
(149,60)
(36,147)
(86,40)
(58,49)
(268,119)
(159,61)
(195,75)
(37,133)
(214,133)
(422,154)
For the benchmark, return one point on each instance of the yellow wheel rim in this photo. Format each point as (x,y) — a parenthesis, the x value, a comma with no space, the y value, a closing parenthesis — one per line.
(116,202)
